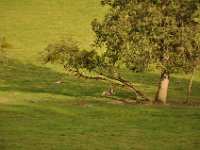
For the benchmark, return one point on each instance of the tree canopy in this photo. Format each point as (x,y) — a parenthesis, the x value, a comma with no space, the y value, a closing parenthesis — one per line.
(136,34)
(140,32)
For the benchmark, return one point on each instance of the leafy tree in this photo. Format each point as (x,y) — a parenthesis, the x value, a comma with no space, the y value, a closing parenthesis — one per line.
(136,34)
(139,33)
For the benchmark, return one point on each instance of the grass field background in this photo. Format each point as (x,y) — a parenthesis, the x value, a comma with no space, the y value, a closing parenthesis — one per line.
(36,113)
(32,24)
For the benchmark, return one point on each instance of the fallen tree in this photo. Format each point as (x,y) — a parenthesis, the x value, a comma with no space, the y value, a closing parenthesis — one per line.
(87,65)
(136,34)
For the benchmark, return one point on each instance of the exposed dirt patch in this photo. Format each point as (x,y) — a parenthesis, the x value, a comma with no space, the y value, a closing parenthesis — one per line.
(122,102)
(5,100)
(82,104)
(116,102)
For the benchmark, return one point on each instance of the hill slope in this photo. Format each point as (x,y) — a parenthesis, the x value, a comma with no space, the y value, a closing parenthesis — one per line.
(31,24)
(37,113)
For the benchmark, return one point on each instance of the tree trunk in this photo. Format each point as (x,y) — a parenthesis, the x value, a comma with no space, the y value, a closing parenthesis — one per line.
(190,86)
(163,88)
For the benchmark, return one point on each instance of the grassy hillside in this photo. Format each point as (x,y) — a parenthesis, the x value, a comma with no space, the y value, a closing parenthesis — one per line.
(69,124)
(31,24)
(37,113)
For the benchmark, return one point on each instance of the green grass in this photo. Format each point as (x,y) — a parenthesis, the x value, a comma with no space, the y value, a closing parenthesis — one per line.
(65,124)
(31,25)
(36,113)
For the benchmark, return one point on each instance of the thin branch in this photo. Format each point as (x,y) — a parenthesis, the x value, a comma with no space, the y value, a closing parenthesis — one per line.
(117,81)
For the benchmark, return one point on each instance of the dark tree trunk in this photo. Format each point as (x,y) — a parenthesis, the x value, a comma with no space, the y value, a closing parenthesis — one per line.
(161,95)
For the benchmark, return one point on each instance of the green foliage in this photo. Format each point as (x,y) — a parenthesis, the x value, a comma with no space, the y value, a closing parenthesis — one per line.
(141,33)
(138,35)
(63,52)
(56,120)
(67,53)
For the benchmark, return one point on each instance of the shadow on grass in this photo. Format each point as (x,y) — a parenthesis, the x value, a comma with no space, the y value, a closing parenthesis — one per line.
(31,78)
(36,79)
(148,82)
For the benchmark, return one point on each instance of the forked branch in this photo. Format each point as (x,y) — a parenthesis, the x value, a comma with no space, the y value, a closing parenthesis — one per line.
(118,82)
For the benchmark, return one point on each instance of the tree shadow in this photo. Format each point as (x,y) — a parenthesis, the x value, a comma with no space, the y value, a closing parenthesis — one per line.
(31,78)
(37,79)
(148,82)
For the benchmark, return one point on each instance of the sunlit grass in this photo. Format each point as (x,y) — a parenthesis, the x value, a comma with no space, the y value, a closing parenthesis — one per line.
(31,25)
(37,113)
